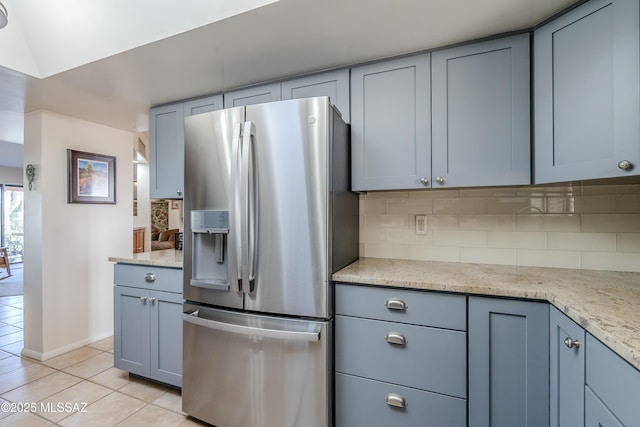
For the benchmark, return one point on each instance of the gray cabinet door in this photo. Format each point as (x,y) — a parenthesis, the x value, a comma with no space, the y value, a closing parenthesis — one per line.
(508,363)
(596,413)
(203,105)
(334,84)
(131,330)
(390,124)
(567,364)
(166,337)
(586,92)
(166,151)
(480,114)
(252,95)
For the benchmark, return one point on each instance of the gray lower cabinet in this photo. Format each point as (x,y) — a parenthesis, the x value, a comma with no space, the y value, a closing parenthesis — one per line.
(252,95)
(612,390)
(390,124)
(334,84)
(508,363)
(166,144)
(566,371)
(148,323)
(392,373)
(480,114)
(587,93)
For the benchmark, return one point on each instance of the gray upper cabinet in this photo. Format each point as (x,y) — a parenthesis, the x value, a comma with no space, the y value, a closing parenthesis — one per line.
(166,148)
(508,363)
(566,370)
(586,93)
(252,95)
(334,84)
(390,124)
(203,105)
(166,151)
(481,114)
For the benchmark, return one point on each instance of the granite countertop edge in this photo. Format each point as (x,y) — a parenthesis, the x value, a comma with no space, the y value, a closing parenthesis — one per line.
(604,303)
(164,258)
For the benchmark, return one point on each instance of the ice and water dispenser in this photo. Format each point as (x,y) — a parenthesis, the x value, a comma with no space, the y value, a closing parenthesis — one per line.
(209,231)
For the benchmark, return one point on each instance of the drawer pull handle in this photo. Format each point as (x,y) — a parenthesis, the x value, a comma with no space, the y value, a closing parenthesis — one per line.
(396,304)
(396,400)
(571,343)
(396,338)
(150,277)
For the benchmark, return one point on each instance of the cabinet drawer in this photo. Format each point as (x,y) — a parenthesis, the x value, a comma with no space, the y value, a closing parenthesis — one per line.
(613,380)
(596,412)
(422,308)
(432,359)
(148,277)
(360,402)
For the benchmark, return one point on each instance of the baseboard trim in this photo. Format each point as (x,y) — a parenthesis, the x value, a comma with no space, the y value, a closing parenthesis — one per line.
(39,356)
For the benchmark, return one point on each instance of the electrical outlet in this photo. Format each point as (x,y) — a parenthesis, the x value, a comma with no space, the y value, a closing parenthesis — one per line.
(421,224)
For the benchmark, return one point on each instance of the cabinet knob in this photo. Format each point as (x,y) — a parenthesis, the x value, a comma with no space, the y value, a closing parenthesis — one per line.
(440,180)
(150,277)
(571,343)
(424,181)
(625,165)
(179,192)
(396,400)
(396,304)
(143,299)
(152,300)
(396,338)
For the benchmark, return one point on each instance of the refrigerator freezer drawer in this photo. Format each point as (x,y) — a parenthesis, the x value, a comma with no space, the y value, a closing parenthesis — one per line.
(255,371)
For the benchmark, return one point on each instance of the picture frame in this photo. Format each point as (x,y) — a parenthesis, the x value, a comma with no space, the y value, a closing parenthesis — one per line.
(175,204)
(91,177)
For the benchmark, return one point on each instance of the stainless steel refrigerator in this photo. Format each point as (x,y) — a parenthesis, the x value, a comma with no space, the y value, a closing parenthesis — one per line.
(268,218)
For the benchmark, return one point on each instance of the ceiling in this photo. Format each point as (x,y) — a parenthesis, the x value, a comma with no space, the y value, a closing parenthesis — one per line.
(116,84)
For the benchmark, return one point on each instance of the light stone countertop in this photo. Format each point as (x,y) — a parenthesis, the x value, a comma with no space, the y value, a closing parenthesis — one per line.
(605,303)
(164,258)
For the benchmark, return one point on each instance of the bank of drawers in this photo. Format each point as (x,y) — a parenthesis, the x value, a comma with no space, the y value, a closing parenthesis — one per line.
(401,357)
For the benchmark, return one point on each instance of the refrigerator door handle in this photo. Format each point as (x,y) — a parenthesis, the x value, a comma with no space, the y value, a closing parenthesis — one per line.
(247,227)
(253,202)
(235,203)
(307,336)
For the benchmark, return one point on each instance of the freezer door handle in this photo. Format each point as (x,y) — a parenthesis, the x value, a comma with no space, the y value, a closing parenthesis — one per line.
(233,238)
(308,336)
(248,208)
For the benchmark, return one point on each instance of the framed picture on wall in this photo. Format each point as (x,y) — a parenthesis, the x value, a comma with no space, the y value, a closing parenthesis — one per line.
(91,178)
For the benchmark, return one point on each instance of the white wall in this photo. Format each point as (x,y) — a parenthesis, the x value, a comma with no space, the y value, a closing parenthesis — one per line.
(11,176)
(68,280)
(586,225)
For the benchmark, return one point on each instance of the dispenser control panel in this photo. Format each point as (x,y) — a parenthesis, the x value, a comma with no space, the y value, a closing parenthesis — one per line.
(210,221)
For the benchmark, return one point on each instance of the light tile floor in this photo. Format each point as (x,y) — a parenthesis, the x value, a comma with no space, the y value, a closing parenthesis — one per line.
(78,388)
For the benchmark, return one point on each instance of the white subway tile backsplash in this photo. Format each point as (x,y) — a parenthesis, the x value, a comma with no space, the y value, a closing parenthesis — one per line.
(548,222)
(473,239)
(547,258)
(621,261)
(488,222)
(488,256)
(386,251)
(460,206)
(571,225)
(595,204)
(583,241)
(619,223)
(443,222)
(434,253)
(518,240)
(386,221)
(628,242)
(628,203)
(410,206)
